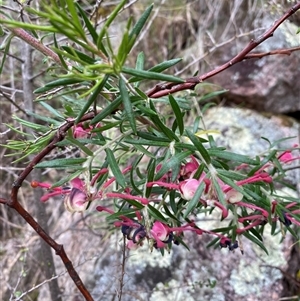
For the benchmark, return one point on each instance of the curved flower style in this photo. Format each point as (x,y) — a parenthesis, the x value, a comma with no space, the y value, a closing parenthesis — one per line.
(76,198)
(188,170)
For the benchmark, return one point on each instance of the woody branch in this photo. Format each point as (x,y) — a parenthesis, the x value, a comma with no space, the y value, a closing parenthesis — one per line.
(190,83)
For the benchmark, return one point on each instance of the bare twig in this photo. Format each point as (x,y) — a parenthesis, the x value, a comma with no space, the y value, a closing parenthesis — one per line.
(14,204)
(29,39)
(190,83)
(12,102)
(121,280)
(53,278)
(287,51)
(214,48)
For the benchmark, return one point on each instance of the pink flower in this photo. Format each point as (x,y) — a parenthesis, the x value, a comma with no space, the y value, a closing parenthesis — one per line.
(188,188)
(287,157)
(189,169)
(83,130)
(76,200)
(160,232)
(78,183)
(233,196)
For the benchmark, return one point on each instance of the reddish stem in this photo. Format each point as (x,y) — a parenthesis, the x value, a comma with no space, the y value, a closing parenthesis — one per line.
(144,201)
(190,83)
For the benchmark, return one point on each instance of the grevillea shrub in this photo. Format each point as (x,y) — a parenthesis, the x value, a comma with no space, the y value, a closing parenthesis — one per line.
(141,164)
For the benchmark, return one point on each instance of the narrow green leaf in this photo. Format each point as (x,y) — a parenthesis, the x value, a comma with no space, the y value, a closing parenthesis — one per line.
(107,23)
(193,203)
(134,187)
(127,104)
(141,22)
(135,204)
(168,212)
(219,191)
(172,163)
(67,178)
(142,150)
(52,110)
(58,82)
(142,74)
(123,50)
(138,27)
(107,111)
(147,111)
(130,213)
(31,125)
(140,61)
(29,26)
(212,95)
(146,142)
(88,24)
(232,156)
(231,174)
(59,55)
(80,145)
(6,49)
(115,168)
(73,162)
(156,214)
(49,120)
(161,126)
(255,232)
(75,19)
(242,190)
(150,175)
(213,242)
(142,94)
(152,137)
(92,98)
(177,112)
(202,150)
(199,171)
(80,55)
(269,157)
(165,65)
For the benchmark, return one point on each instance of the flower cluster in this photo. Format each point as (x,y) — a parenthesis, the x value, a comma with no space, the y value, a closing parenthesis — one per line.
(235,206)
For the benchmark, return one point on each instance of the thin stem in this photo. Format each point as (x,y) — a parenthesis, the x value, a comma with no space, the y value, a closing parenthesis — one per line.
(123,268)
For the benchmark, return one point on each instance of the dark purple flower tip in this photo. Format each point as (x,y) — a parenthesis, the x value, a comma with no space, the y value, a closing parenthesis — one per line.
(169,238)
(139,234)
(125,230)
(133,233)
(226,242)
(233,246)
(285,220)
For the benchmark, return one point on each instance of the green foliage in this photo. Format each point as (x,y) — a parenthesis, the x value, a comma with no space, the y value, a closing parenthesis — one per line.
(131,130)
